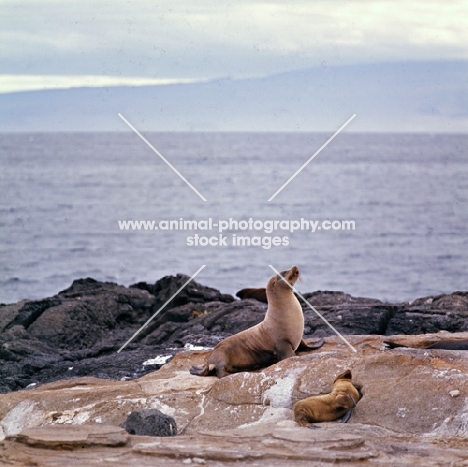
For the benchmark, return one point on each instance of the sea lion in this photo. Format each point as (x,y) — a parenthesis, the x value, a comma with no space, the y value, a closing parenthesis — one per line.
(257,294)
(448,344)
(326,408)
(277,337)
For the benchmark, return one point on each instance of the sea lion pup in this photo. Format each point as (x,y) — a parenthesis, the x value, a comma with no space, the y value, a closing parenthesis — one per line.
(257,294)
(448,344)
(277,337)
(328,407)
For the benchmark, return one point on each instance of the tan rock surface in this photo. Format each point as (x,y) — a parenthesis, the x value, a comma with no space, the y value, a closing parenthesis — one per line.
(407,415)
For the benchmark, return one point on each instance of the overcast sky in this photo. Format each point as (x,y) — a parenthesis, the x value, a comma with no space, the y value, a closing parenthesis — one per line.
(141,42)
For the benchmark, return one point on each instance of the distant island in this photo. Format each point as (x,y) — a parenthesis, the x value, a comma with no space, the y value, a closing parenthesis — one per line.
(426,96)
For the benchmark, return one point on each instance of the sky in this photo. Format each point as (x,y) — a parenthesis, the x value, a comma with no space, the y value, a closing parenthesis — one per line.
(55,44)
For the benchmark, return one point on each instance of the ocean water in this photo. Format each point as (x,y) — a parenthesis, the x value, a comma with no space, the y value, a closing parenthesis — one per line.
(63,194)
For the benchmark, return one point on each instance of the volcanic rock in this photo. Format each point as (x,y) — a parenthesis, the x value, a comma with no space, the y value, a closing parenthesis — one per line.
(431,315)
(406,416)
(150,422)
(194,292)
(79,331)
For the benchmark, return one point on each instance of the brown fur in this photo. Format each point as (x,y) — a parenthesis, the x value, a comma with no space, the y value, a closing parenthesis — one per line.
(257,294)
(328,407)
(277,337)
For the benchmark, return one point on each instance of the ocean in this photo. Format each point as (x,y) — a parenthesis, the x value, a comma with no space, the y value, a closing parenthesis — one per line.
(404,198)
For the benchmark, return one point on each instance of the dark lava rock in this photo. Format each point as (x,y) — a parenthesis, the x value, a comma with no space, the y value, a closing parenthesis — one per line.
(25,361)
(347,314)
(79,331)
(30,311)
(352,315)
(456,301)
(150,422)
(431,315)
(324,298)
(144,286)
(90,313)
(216,318)
(194,292)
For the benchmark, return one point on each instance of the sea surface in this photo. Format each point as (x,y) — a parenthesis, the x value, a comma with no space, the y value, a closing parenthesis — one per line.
(63,194)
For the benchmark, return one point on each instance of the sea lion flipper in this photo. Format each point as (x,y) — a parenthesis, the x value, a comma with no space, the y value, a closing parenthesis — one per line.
(196,370)
(205,370)
(284,350)
(313,427)
(256,294)
(347,415)
(448,344)
(393,345)
(304,347)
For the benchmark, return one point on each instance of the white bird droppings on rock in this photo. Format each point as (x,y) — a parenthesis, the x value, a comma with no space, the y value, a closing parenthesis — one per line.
(279,395)
(159,360)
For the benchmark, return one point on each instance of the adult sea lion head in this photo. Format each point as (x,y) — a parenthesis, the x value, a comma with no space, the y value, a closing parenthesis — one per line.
(278,284)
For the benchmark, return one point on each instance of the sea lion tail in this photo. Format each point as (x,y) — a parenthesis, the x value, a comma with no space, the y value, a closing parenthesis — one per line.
(303,347)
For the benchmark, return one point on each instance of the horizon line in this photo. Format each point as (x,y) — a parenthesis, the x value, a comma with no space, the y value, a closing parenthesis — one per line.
(363,132)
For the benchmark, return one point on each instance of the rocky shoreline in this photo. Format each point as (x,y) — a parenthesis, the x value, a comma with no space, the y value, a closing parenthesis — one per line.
(77,332)
(68,393)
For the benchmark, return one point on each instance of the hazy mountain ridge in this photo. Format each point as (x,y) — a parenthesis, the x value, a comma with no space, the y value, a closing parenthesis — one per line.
(413,96)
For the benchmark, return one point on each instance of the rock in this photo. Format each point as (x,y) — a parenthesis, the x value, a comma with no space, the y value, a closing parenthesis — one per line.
(457,301)
(78,331)
(91,313)
(351,315)
(204,320)
(414,409)
(357,320)
(431,315)
(72,436)
(194,292)
(327,298)
(31,311)
(347,314)
(405,417)
(150,422)
(81,327)
(144,286)
(86,314)
(9,312)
